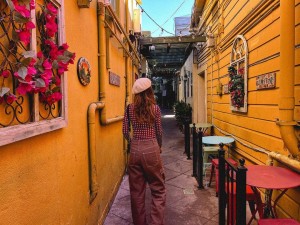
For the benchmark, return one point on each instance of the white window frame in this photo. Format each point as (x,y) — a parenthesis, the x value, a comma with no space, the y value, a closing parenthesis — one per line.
(239,55)
(19,132)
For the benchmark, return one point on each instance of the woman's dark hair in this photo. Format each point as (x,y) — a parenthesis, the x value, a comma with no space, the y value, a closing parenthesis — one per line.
(143,106)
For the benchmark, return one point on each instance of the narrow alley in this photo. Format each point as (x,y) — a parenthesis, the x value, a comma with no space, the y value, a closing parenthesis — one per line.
(67,75)
(186,204)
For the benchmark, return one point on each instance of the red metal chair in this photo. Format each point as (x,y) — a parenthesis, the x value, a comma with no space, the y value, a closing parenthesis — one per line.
(215,170)
(278,222)
(254,201)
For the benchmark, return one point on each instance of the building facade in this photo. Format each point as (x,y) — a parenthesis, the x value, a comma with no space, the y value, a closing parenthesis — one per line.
(246,76)
(62,152)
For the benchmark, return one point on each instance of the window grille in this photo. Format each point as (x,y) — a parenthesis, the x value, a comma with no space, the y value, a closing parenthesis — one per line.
(28,114)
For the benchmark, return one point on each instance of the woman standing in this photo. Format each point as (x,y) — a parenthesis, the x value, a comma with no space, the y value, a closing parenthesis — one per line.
(145,165)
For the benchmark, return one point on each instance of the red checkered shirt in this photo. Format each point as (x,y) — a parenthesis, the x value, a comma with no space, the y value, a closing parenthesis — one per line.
(143,131)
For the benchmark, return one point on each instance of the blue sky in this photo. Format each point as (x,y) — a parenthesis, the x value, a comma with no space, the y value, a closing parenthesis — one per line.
(161,11)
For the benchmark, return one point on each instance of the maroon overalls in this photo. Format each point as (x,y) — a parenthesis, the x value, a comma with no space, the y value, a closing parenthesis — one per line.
(145,166)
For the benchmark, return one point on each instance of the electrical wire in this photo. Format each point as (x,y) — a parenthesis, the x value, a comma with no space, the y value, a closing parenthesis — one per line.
(153,19)
(172,15)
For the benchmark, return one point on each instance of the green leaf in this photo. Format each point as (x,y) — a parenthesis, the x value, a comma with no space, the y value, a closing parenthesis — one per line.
(40,83)
(15,36)
(56,89)
(28,54)
(22,72)
(25,2)
(40,68)
(10,4)
(3,91)
(19,18)
(26,62)
(68,54)
(64,59)
(55,65)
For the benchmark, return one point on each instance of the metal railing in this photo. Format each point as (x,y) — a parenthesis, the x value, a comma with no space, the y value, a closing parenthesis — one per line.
(232,191)
(197,156)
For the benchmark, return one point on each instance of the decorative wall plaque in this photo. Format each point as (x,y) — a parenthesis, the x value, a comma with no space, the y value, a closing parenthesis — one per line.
(225,89)
(114,79)
(84,71)
(266,81)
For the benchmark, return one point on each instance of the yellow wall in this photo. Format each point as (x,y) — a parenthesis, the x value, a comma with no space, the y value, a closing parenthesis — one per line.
(258,126)
(45,179)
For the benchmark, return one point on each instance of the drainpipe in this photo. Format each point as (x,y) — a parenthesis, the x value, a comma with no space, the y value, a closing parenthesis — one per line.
(92,148)
(102,64)
(286,120)
(291,163)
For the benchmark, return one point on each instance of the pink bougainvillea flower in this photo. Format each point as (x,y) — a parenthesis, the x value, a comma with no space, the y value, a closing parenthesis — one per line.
(64,46)
(24,36)
(10,98)
(50,18)
(54,97)
(54,53)
(62,67)
(72,59)
(32,62)
(46,76)
(32,4)
(39,54)
(51,98)
(28,78)
(31,70)
(47,65)
(29,25)
(40,90)
(5,74)
(56,81)
(50,43)
(24,88)
(22,10)
(51,29)
(51,8)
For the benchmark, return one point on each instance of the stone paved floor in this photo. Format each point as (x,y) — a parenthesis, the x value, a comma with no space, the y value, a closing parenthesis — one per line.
(186,204)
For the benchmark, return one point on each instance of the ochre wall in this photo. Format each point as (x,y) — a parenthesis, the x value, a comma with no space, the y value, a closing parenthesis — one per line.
(45,179)
(258,126)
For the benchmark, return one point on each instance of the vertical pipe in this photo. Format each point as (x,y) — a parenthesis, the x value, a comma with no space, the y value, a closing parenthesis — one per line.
(92,148)
(287,76)
(126,80)
(102,49)
(102,70)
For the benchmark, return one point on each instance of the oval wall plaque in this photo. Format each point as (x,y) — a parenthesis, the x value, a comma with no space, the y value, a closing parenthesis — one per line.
(84,71)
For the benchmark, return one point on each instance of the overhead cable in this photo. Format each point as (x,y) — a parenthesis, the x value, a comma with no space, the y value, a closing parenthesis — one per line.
(152,19)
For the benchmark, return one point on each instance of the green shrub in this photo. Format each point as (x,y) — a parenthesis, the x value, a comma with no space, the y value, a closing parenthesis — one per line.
(183,112)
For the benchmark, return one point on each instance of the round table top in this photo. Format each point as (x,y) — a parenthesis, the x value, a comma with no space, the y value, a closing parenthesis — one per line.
(215,140)
(272,177)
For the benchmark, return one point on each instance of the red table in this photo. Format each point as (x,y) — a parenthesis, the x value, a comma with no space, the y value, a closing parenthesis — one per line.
(271,178)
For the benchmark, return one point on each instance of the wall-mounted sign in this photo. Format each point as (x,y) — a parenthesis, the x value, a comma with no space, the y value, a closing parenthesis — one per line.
(84,71)
(266,81)
(114,79)
(225,89)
